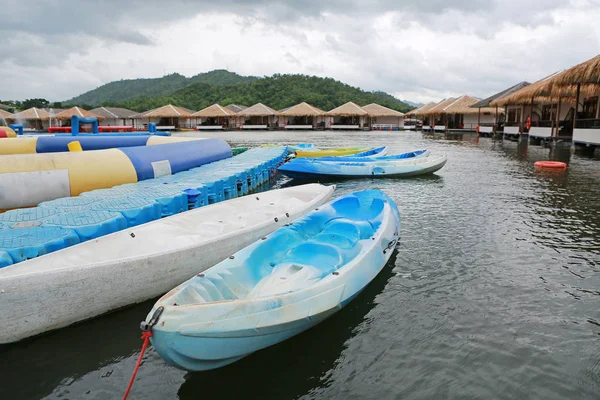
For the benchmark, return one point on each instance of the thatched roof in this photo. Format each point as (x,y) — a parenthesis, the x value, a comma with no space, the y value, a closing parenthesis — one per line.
(113,112)
(213,111)
(168,111)
(346,110)
(300,110)
(5,107)
(376,110)
(587,72)
(499,95)
(67,114)
(32,113)
(257,110)
(236,108)
(464,105)
(539,92)
(438,109)
(7,115)
(418,110)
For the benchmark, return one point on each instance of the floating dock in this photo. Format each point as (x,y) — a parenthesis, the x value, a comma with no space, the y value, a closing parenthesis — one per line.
(54,225)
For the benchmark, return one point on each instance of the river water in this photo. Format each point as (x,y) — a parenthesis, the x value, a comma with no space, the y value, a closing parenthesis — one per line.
(492,293)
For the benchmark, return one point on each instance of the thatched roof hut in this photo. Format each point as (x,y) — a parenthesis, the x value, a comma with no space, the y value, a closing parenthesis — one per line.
(257,110)
(301,110)
(168,111)
(67,114)
(376,110)
(236,108)
(33,113)
(347,110)
(114,112)
(7,115)
(5,107)
(214,111)
(420,110)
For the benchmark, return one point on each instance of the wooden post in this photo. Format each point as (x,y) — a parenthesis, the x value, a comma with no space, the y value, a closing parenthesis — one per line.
(478,116)
(496,120)
(576,106)
(558,116)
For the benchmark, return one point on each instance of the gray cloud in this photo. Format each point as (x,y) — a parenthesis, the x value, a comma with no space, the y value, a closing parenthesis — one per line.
(466,52)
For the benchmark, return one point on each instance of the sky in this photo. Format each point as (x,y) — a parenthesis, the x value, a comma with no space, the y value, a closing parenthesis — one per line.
(418,50)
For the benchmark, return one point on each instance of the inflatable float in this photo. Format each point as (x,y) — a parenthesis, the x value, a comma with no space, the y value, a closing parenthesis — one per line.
(7,132)
(28,179)
(279,286)
(92,278)
(552,165)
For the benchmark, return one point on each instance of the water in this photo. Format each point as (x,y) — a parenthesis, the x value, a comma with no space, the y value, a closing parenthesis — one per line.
(493,292)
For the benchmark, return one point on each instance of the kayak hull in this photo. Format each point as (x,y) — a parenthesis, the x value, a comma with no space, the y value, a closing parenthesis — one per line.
(195,334)
(134,265)
(393,169)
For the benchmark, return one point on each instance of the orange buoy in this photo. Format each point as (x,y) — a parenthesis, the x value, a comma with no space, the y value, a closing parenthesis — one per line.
(550,165)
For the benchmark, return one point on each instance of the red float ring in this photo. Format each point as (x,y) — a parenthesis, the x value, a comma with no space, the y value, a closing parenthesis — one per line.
(550,164)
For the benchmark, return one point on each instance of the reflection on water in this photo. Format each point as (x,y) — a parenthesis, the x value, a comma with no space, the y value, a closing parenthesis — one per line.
(494,292)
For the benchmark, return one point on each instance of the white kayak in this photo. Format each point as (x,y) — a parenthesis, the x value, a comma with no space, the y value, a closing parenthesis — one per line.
(136,264)
(277,287)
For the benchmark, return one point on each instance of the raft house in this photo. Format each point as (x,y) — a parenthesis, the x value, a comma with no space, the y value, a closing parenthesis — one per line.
(257,117)
(383,119)
(301,116)
(64,120)
(486,128)
(215,117)
(349,116)
(416,116)
(563,106)
(166,118)
(33,119)
(115,119)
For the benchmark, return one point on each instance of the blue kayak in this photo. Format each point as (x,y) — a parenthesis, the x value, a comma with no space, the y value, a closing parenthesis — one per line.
(279,286)
(398,166)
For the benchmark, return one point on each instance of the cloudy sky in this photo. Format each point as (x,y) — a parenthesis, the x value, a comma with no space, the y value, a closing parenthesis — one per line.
(418,50)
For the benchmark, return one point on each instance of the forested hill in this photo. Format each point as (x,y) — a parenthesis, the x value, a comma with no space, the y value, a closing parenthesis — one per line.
(125,89)
(277,91)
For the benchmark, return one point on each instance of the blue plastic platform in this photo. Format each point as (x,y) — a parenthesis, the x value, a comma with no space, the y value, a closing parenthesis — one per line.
(18,245)
(136,210)
(71,203)
(88,224)
(27,217)
(103,211)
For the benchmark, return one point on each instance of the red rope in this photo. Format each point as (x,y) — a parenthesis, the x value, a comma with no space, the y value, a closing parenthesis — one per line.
(146,336)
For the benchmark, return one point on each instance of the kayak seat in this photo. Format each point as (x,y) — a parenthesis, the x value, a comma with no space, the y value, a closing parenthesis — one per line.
(326,257)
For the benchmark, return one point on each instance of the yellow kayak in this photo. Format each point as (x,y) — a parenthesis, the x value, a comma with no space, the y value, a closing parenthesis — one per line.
(341,151)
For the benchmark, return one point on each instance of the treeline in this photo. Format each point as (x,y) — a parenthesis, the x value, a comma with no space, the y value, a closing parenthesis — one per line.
(277,91)
(126,89)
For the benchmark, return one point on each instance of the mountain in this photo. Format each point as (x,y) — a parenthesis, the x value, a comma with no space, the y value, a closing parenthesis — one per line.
(277,91)
(413,104)
(125,89)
